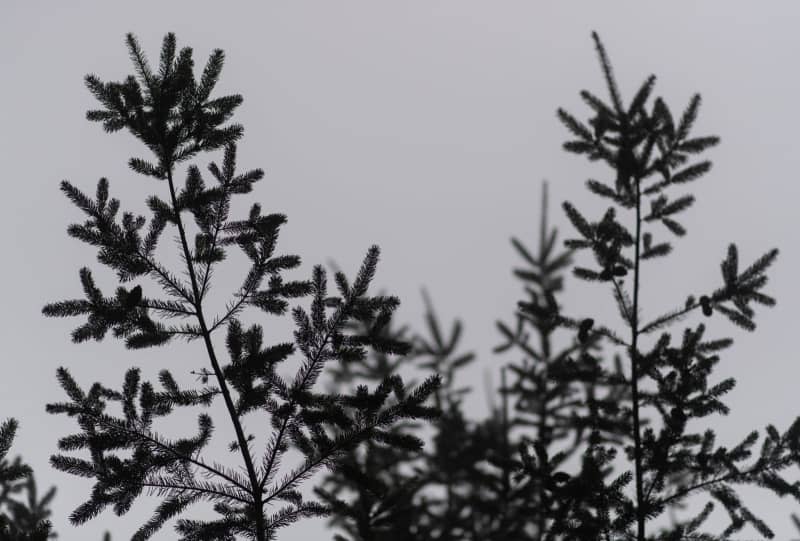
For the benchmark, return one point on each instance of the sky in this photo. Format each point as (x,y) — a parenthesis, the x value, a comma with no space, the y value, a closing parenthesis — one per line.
(426,127)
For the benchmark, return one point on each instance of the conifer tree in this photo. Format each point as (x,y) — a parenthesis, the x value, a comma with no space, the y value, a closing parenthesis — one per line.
(472,483)
(30,513)
(177,118)
(670,380)
(25,520)
(560,396)
(458,488)
(387,487)
(23,515)
(582,397)
(469,493)
(372,491)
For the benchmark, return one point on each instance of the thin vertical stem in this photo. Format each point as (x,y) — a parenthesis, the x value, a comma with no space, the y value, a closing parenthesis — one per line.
(505,428)
(544,341)
(505,523)
(634,354)
(240,437)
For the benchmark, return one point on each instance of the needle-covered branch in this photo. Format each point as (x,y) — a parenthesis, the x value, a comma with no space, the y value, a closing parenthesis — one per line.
(175,116)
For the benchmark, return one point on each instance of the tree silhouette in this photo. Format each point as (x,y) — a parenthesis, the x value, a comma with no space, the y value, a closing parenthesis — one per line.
(580,402)
(601,427)
(22,518)
(177,119)
(25,520)
(649,154)
(459,488)
(562,397)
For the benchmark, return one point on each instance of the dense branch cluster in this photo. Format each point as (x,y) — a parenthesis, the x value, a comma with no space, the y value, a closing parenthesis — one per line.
(176,117)
(27,519)
(601,428)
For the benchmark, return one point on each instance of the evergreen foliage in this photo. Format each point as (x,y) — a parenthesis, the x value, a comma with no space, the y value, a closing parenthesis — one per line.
(32,514)
(563,398)
(478,481)
(602,427)
(23,515)
(670,380)
(470,463)
(458,489)
(25,520)
(176,117)
(582,402)
(378,480)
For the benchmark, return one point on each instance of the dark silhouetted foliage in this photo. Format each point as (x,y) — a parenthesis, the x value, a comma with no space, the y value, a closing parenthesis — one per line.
(459,488)
(23,519)
(670,379)
(600,450)
(176,118)
(600,429)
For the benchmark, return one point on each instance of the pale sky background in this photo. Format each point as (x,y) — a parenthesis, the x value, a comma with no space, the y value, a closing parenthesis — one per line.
(425,127)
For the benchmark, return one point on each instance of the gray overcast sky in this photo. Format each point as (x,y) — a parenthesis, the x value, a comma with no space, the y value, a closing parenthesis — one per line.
(433,123)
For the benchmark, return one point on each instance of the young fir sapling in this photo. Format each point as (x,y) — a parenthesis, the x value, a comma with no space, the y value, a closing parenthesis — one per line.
(669,379)
(371,491)
(24,516)
(559,403)
(29,513)
(469,495)
(177,119)
(27,519)
(391,488)
(458,488)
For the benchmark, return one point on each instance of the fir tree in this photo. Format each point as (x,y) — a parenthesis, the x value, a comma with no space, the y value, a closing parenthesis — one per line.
(23,515)
(177,119)
(469,493)
(25,520)
(29,514)
(458,488)
(472,483)
(670,382)
(373,490)
(561,395)
(653,409)
(570,398)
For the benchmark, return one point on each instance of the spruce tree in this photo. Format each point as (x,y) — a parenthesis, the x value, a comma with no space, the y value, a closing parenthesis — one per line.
(560,395)
(371,493)
(24,516)
(606,390)
(460,487)
(393,493)
(25,519)
(670,378)
(470,492)
(177,119)
(544,465)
